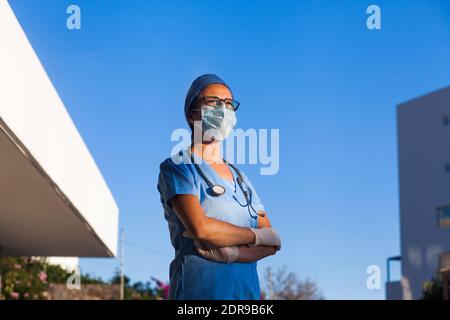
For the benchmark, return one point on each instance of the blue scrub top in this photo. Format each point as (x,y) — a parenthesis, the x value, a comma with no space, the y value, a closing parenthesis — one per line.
(191,275)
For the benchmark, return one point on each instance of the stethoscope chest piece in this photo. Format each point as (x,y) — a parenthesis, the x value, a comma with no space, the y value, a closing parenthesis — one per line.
(217,190)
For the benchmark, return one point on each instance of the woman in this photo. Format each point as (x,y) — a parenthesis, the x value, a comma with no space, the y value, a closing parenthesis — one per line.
(218,232)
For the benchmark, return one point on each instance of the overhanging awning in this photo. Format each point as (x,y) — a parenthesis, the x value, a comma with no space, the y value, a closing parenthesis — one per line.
(53,198)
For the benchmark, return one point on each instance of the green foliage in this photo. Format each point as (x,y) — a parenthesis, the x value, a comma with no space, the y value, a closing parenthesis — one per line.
(434,289)
(55,273)
(23,278)
(29,278)
(138,290)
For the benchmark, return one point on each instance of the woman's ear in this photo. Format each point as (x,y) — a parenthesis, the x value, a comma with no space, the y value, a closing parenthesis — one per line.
(190,118)
(193,115)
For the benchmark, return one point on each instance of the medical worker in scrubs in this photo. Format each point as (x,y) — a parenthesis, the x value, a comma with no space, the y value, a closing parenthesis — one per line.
(217,222)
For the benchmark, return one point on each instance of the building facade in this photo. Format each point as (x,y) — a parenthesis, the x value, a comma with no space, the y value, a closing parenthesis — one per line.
(424,179)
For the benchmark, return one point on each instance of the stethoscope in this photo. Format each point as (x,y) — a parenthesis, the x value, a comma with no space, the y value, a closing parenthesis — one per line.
(216,190)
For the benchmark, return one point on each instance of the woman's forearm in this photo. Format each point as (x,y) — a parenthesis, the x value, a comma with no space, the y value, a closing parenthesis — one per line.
(223,234)
(254,253)
(212,231)
(217,233)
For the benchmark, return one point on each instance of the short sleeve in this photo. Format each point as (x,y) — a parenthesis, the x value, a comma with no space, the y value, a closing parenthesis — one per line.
(175,179)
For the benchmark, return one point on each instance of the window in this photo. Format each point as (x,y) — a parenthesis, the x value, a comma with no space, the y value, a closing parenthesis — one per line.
(447,168)
(444,217)
(446,120)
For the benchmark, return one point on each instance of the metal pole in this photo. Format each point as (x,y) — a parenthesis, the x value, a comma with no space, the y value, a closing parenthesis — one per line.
(122,264)
(1,274)
(270,285)
(445,284)
(388,270)
(388,266)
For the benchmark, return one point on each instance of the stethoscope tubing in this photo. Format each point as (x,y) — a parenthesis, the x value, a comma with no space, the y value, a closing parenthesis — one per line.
(240,179)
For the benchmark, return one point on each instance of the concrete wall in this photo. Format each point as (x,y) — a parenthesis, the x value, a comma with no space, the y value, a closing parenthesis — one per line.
(67,263)
(87,292)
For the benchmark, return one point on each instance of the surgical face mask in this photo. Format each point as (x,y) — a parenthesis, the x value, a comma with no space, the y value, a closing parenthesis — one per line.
(217,122)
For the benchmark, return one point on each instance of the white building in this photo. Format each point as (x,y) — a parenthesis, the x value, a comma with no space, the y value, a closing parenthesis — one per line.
(424,174)
(53,198)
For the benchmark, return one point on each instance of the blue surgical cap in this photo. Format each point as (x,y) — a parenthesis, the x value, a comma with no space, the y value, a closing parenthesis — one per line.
(197,87)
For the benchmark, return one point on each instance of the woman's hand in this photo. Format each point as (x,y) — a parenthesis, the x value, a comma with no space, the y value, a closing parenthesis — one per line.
(267,237)
(225,254)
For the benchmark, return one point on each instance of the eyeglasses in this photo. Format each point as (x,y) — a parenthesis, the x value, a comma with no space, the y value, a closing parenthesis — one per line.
(216,102)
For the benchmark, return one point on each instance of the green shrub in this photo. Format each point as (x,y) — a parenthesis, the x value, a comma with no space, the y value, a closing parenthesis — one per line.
(29,278)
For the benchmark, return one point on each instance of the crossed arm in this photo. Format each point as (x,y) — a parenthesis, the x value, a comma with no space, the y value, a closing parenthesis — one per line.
(217,233)
(254,253)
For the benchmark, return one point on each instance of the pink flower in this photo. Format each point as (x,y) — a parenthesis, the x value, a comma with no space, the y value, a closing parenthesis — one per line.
(15,295)
(42,276)
(17,266)
(26,295)
(165,288)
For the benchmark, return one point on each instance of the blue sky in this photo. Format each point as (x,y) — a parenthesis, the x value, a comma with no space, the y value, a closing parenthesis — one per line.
(310,68)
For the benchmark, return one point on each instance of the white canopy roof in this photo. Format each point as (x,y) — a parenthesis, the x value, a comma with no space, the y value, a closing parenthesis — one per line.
(53,198)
